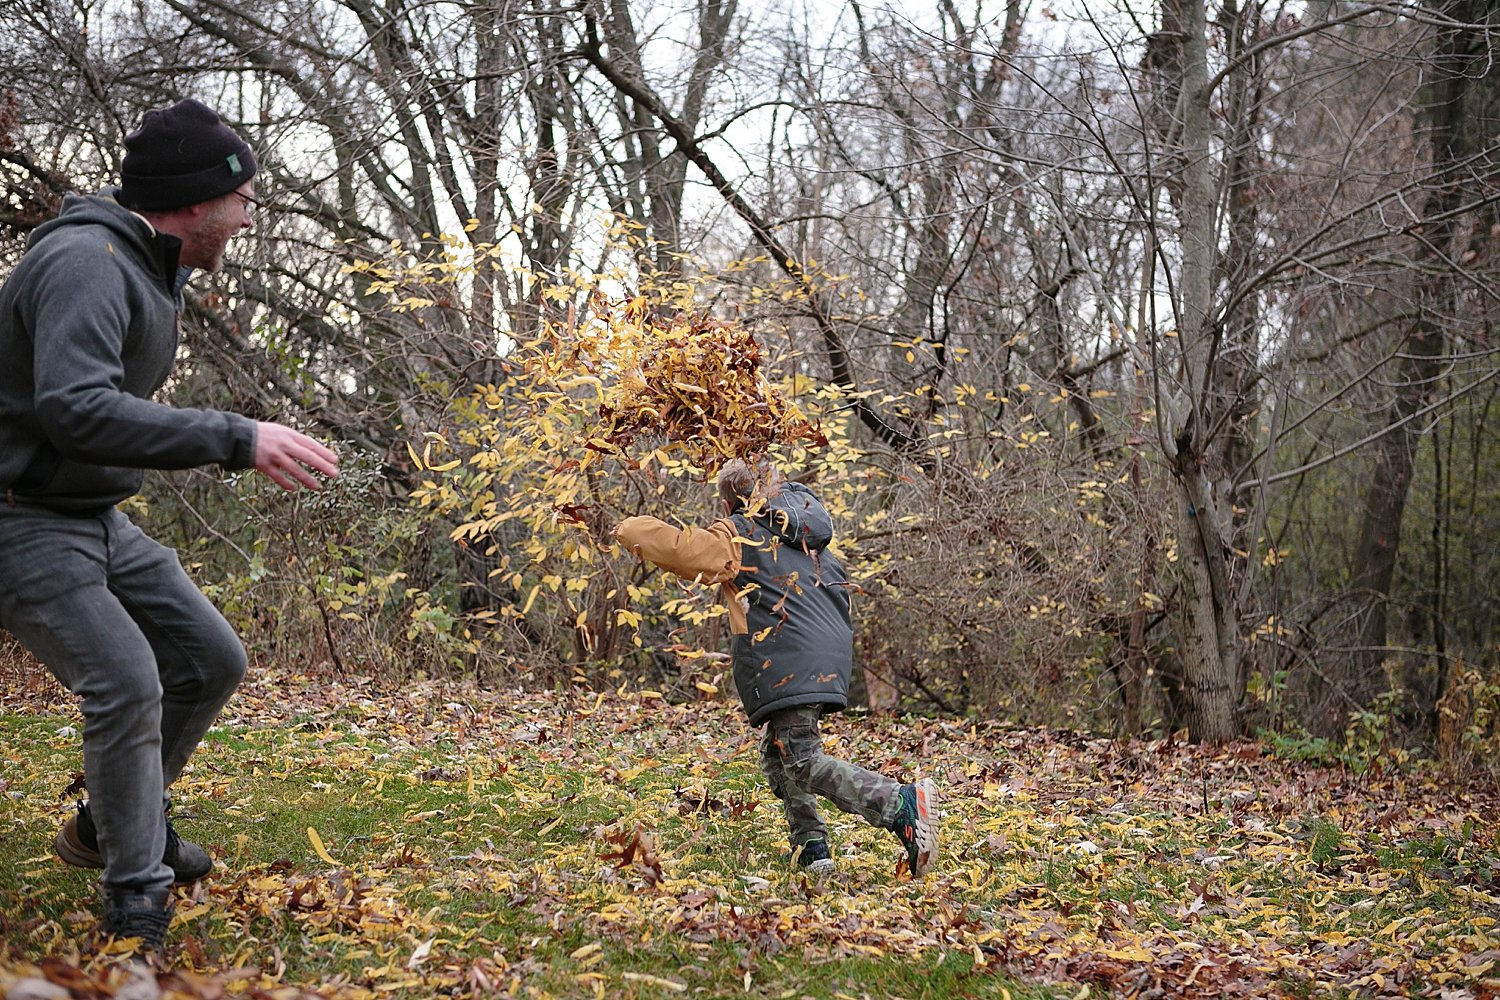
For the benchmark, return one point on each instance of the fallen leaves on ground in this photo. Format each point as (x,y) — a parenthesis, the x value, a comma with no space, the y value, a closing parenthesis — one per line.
(1142,868)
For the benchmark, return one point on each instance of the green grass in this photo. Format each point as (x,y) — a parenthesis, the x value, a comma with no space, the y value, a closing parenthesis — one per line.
(473,855)
(541,846)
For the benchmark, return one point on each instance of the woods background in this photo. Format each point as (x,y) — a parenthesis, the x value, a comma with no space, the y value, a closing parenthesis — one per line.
(1153,346)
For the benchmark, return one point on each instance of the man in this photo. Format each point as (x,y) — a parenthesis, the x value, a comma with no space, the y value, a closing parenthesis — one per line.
(88,333)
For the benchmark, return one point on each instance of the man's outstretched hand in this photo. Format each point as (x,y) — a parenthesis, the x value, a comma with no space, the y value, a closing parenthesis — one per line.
(286,456)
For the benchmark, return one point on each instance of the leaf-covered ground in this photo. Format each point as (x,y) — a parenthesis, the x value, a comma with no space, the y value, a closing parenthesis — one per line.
(445,840)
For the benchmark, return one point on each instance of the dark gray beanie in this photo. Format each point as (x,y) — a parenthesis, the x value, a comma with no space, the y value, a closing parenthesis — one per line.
(182,155)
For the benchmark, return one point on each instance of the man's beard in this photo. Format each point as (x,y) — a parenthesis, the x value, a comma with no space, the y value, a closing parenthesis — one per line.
(213,236)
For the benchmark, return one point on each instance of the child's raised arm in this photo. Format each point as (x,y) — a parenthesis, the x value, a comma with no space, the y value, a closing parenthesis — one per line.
(709,555)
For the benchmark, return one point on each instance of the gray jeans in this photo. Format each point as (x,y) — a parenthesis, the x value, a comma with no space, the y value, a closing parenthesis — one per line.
(115,618)
(793,761)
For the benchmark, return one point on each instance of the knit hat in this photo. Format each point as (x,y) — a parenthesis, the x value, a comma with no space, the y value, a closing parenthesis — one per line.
(182,155)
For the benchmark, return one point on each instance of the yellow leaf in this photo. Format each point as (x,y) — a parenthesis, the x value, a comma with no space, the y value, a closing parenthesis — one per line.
(317,843)
(119,946)
(191,913)
(666,984)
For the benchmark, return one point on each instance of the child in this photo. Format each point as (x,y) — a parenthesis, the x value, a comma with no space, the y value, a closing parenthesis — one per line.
(793,645)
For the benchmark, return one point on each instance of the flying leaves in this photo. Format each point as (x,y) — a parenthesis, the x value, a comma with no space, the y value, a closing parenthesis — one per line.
(674,381)
(624,404)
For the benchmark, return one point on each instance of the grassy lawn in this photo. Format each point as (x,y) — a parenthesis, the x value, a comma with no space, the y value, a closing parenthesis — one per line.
(445,841)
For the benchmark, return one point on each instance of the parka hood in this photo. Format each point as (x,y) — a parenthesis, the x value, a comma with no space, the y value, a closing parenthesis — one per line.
(795,516)
(159,250)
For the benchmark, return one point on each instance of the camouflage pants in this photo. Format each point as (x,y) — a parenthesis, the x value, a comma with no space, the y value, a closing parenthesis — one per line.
(793,761)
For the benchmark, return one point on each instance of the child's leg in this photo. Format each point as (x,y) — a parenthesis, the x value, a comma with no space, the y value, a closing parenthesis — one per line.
(799,806)
(792,737)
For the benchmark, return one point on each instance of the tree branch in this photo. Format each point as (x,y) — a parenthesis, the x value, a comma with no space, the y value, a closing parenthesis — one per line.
(841,368)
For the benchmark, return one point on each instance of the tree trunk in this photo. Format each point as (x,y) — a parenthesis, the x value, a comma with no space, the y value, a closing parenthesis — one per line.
(1384,508)
(1211,617)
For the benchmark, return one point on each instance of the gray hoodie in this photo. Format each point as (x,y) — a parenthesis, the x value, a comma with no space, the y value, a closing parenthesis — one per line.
(800,645)
(88,333)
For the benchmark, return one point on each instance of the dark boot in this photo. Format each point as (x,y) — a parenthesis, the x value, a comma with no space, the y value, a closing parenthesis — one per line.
(131,913)
(77,843)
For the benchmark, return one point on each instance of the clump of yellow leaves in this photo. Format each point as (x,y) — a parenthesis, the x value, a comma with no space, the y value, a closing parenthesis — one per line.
(621,405)
(668,380)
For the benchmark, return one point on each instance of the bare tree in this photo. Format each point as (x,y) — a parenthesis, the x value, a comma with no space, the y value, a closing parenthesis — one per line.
(1180,325)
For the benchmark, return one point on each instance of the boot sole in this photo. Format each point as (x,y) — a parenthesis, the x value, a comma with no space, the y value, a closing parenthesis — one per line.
(929,815)
(75,853)
(79,856)
(184,877)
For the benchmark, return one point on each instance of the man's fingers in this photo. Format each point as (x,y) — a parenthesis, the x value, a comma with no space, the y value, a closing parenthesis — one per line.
(304,477)
(289,458)
(321,458)
(293,477)
(289,470)
(316,456)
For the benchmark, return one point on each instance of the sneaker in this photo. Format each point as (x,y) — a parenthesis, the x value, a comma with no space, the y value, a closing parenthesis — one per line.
(77,843)
(813,856)
(129,913)
(916,823)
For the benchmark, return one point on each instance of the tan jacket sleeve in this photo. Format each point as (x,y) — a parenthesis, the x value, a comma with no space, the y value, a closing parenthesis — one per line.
(709,555)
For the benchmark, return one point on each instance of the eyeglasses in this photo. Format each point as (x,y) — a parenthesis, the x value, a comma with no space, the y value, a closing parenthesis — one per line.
(249,201)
